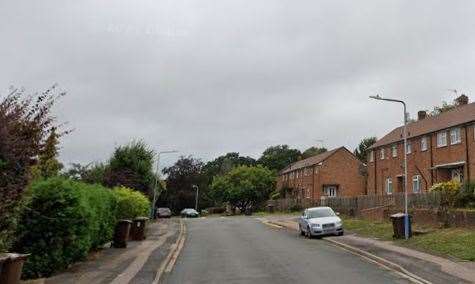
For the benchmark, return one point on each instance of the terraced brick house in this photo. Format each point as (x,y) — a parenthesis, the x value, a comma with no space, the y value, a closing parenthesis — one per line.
(440,148)
(334,173)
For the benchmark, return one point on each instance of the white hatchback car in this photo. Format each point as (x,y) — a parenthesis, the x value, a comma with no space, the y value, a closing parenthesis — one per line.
(320,221)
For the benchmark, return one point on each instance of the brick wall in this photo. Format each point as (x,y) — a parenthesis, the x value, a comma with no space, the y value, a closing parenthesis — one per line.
(420,162)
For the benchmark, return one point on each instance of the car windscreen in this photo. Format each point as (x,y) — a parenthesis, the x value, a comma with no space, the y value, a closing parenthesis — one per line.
(320,213)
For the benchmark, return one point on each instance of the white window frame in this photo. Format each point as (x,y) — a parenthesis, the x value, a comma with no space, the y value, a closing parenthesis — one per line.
(330,191)
(455,136)
(424,144)
(394,150)
(371,156)
(409,148)
(382,153)
(416,184)
(389,186)
(440,142)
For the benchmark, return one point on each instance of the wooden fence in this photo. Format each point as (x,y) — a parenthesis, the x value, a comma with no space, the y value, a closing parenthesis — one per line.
(353,205)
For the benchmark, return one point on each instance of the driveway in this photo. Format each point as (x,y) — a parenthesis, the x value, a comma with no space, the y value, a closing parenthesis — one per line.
(244,250)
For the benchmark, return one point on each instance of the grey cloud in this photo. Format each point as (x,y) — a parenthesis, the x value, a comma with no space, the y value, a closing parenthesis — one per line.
(208,77)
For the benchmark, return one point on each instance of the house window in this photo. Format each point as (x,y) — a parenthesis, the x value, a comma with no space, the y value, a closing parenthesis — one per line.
(394,150)
(424,144)
(371,156)
(382,154)
(389,186)
(442,139)
(307,192)
(409,148)
(330,191)
(416,184)
(455,137)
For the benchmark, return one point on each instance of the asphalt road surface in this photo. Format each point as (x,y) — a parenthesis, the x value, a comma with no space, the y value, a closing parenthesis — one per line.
(244,250)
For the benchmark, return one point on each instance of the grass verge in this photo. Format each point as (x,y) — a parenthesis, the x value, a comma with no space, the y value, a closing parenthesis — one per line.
(454,242)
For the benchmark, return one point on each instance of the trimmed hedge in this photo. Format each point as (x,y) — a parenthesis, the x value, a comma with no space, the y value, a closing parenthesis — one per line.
(63,221)
(131,203)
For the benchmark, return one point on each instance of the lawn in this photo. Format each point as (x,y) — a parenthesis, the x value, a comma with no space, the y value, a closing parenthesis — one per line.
(378,230)
(454,242)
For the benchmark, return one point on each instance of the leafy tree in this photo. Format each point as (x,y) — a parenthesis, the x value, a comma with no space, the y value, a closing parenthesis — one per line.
(91,173)
(131,166)
(278,157)
(244,186)
(313,151)
(185,173)
(448,106)
(225,163)
(25,125)
(48,165)
(362,151)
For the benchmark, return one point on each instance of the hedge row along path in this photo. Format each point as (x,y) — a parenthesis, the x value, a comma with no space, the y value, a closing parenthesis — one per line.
(136,264)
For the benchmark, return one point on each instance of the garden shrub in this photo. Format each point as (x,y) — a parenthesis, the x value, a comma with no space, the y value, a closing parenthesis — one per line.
(131,203)
(449,191)
(62,222)
(466,196)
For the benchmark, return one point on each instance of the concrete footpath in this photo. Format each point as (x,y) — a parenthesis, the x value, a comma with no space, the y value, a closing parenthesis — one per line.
(140,262)
(424,267)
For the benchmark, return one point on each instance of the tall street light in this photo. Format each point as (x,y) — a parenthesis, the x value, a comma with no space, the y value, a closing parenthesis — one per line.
(196,196)
(406,216)
(157,174)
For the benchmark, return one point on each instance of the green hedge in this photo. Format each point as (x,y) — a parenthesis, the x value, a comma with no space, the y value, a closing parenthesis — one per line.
(131,203)
(63,221)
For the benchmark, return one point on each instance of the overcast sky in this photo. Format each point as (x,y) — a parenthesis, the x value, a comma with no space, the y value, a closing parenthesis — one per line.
(208,77)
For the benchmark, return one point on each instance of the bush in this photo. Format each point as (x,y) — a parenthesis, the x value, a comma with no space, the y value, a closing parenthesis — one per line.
(466,196)
(62,222)
(449,190)
(131,203)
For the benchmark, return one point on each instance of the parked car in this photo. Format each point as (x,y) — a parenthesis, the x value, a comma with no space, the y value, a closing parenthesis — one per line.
(320,221)
(164,212)
(189,213)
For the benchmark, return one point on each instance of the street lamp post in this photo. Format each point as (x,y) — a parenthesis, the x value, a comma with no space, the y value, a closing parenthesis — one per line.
(406,215)
(155,188)
(196,196)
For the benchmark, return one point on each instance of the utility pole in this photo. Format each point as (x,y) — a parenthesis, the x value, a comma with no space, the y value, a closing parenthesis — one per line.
(157,176)
(197,189)
(406,215)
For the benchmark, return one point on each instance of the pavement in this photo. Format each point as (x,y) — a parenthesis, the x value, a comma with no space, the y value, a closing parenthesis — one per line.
(140,262)
(423,266)
(245,250)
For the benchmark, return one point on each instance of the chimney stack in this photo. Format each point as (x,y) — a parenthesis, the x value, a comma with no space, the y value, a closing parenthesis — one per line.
(462,100)
(421,115)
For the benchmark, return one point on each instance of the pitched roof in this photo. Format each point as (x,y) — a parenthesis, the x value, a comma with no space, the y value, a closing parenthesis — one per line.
(311,161)
(460,115)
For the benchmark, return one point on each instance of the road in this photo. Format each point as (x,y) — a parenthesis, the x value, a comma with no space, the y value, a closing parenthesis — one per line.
(244,250)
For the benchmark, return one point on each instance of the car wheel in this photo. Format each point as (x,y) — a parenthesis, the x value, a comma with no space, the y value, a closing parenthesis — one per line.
(341,233)
(308,234)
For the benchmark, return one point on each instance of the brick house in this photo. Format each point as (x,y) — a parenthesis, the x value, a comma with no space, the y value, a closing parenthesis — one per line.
(439,149)
(334,173)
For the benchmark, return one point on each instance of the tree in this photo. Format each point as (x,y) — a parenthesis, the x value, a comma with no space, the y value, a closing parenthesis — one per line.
(362,151)
(244,186)
(91,173)
(26,123)
(313,151)
(131,166)
(185,173)
(278,157)
(461,100)
(48,164)
(225,163)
